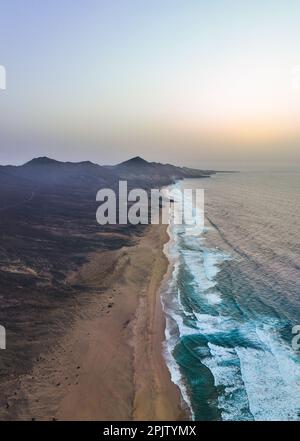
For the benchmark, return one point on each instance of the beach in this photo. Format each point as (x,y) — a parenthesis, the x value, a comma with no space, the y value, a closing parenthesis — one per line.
(109,365)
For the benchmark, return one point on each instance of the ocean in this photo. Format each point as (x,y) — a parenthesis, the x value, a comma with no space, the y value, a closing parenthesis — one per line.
(233,297)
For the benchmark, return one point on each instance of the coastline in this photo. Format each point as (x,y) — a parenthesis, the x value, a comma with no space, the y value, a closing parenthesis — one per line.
(110,364)
(157,397)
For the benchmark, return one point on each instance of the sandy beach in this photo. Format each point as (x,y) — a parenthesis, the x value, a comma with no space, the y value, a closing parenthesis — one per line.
(109,365)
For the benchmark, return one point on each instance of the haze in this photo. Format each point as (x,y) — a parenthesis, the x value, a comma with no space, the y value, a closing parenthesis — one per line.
(196,83)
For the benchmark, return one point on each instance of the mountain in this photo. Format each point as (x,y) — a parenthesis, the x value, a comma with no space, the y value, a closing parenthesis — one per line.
(47,172)
(42,161)
(48,230)
(142,172)
(46,201)
(49,175)
(137,161)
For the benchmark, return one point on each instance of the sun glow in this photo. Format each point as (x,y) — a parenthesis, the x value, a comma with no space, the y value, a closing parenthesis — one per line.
(248,100)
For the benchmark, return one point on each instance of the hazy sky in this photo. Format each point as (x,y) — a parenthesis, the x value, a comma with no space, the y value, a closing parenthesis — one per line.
(212,84)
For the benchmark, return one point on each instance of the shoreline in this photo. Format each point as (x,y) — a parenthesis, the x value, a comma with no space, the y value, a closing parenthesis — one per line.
(166,401)
(110,365)
(170,362)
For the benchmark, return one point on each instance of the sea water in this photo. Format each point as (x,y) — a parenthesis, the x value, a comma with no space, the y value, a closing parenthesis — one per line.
(233,297)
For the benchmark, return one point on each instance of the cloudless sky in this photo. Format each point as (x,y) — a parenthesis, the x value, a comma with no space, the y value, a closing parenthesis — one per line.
(209,84)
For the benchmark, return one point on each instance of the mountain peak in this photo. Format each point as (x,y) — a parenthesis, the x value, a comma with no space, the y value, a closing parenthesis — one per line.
(137,160)
(42,160)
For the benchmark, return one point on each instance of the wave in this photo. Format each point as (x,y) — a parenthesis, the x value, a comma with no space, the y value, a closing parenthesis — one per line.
(256,375)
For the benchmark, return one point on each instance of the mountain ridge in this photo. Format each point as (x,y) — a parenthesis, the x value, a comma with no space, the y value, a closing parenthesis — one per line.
(88,176)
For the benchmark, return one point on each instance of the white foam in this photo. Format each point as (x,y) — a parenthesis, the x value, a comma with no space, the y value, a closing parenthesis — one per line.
(272,378)
(174,369)
(194,262)
(211,262)
(263,375)
(223,365)
(204,267)
(209,324)
(213,298)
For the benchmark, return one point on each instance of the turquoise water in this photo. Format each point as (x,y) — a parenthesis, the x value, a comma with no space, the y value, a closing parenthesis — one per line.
(233,298)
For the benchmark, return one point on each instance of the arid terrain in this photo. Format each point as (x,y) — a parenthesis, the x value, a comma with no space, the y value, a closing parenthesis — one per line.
(79,300)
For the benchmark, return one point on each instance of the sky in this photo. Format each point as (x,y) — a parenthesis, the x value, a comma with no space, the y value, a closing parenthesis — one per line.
(197,83)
